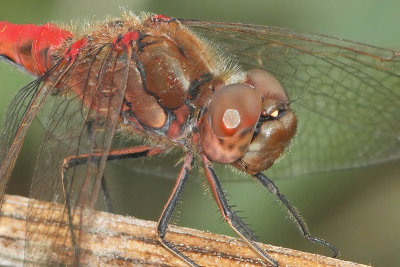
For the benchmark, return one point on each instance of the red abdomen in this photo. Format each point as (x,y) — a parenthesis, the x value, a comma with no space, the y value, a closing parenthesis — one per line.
(31,46)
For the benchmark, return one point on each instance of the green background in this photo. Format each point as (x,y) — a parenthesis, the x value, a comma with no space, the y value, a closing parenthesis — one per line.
(357,210)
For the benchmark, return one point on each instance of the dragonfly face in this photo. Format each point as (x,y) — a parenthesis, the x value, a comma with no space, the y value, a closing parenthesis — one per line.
(248,124)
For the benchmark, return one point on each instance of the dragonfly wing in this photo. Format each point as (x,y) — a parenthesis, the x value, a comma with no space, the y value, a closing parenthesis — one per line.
(81,117)
(346,95)
(18,117)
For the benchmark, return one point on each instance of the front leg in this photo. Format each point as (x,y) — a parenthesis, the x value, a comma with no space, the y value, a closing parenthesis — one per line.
(170,206)
(228,214)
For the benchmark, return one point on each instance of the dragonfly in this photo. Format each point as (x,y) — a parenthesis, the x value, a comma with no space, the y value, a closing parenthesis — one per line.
(227,93)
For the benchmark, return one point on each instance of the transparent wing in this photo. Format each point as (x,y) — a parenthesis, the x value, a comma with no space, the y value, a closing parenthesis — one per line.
(18,117)
(81,116)
(346,95)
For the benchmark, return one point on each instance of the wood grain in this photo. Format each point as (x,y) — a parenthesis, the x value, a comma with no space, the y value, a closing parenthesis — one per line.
(115,240)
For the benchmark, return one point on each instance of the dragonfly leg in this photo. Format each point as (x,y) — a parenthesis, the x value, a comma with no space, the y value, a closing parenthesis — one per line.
(228,214)
(69,212)
(73,161)
(106,195)
(170,206)
(124,153)
(266,182)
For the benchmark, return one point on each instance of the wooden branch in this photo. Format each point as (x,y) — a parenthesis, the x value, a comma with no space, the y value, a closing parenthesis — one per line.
(115,240)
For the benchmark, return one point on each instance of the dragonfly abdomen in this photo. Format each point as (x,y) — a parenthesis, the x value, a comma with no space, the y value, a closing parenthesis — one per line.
(31,46)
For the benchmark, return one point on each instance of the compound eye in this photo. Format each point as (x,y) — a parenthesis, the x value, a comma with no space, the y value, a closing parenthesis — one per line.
(234,108)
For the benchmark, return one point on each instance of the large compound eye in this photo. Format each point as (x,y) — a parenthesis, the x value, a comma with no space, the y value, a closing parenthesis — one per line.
(266,84)
(234,108)
(275,128)
(229,122)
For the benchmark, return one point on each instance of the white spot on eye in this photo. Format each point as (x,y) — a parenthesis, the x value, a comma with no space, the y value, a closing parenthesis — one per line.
(231,118)
(275,113)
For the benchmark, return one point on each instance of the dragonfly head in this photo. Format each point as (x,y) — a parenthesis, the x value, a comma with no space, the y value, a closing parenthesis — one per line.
(248,125)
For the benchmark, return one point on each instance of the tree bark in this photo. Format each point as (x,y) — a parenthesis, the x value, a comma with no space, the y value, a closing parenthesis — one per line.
(115,240)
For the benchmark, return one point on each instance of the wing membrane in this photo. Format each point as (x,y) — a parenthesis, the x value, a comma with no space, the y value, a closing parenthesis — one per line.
(81,117)
(18,117)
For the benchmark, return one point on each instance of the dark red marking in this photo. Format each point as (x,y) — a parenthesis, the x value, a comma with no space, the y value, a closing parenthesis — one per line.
(126,40)
(75,48)
(181,116)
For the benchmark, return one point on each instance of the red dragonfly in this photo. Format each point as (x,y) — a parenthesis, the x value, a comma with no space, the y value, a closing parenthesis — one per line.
(154,77)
